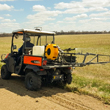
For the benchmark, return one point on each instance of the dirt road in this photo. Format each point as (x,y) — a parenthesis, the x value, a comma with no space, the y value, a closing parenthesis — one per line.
(14,96)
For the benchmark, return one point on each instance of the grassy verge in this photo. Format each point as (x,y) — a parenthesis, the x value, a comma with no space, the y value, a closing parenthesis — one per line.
(93,87)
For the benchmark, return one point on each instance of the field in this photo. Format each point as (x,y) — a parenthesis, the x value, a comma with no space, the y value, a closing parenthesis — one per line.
(93,80)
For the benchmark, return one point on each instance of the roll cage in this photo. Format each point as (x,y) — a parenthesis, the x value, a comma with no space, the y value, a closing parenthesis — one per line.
(34,33)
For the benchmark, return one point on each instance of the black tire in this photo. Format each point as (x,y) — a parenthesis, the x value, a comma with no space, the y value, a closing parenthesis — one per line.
(32,81)
(67,80)
(60,84)
(68,77)
(5,74)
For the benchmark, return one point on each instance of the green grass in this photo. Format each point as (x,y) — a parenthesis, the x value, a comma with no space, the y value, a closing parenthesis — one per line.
(93,87)
(1,64)
(94,79)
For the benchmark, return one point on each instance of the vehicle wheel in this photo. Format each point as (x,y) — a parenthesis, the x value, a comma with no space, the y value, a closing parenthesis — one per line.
(67,80)
(62,84)
(68,77)
(5,74)
(32,81)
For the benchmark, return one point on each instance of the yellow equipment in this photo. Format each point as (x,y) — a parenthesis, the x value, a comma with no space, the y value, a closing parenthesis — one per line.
(51,51)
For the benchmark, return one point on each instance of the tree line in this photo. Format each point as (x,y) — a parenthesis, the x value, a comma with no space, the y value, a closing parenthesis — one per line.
(65,33)
(81,32)
(5,34)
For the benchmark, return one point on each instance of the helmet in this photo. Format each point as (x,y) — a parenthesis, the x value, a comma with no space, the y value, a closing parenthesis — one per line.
(27,38)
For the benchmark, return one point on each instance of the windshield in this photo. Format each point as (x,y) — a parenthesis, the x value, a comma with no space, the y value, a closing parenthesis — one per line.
(41,40)
(18,40)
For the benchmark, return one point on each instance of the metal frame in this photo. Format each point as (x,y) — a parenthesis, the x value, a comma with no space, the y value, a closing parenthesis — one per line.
(33,32)
(84,63)
(96,56)
(37,32)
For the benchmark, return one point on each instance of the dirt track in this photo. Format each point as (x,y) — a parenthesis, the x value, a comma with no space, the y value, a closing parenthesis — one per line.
(14,96)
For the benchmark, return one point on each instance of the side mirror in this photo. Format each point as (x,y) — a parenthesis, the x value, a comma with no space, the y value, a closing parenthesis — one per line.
(16,36)
(14,47)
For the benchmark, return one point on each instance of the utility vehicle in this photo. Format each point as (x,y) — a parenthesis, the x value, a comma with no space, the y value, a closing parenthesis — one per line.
(40,62)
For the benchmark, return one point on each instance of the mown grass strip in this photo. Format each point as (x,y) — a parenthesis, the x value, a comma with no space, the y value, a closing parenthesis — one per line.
(93,87)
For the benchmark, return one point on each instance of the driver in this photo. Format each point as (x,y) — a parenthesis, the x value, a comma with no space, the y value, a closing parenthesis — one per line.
(28,44)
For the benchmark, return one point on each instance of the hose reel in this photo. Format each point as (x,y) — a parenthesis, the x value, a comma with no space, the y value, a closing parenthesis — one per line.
(51,51)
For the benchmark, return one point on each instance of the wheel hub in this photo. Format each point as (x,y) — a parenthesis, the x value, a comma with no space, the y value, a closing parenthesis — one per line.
(30,81)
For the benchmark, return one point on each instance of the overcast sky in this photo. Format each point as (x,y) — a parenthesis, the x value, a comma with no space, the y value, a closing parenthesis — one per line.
(55,15)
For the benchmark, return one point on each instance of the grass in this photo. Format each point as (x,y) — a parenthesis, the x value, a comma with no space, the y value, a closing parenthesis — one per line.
(94,79)
(93,87)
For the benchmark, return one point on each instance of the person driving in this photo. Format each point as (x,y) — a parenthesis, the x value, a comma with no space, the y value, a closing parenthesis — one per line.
(28,44)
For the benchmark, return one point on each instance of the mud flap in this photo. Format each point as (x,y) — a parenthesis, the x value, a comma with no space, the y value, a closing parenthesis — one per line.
(10,63)
(35,69)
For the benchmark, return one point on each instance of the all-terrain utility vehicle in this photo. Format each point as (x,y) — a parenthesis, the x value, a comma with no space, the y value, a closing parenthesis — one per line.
(39,59)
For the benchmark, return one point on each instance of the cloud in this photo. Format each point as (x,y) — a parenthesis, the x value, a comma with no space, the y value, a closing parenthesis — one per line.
(60,22)
(97,9)
(76,17)
(43,13)
(4,26)
(75,10)
(99,19)
(18,9)
(8,25)
(7,15)
(96,3)
(1,17)
(39,8)
(83,10)
(63,5)
(83,6)
(83,3)
(82,16)
(49,8)
(8,20)
(5,7)
(8,8)
(93,20)
(94,25)
(41,16)
(105,14)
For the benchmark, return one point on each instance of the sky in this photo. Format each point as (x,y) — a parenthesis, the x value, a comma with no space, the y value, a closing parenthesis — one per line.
(55,15)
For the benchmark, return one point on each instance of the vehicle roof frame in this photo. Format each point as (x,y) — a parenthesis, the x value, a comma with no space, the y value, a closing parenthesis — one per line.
(31,33)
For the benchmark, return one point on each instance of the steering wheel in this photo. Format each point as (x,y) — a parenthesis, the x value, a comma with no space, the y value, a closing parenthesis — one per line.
(15,53)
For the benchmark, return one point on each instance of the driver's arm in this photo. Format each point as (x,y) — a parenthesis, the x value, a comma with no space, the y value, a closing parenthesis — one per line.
(20,50)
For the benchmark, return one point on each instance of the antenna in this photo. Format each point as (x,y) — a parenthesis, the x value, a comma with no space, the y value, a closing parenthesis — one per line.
(38,28)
